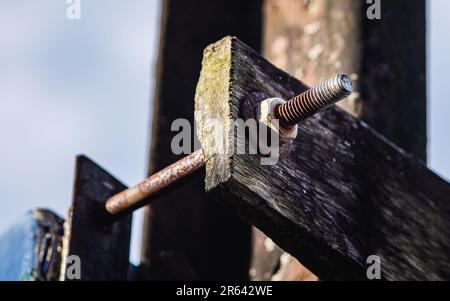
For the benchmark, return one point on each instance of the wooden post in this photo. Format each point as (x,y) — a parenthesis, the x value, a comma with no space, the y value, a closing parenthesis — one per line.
(101,244)
(339,194)
(186,235)
(386,58)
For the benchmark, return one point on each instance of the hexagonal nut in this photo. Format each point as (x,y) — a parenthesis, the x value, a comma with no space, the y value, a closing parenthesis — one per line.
(266,116)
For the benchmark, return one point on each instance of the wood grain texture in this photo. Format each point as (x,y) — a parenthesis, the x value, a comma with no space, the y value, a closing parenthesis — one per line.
(188,236)
(101,243)
(315,39)
(340,193)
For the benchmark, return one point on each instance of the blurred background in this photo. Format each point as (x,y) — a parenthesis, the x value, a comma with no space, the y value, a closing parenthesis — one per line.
(85,86)
(71,87)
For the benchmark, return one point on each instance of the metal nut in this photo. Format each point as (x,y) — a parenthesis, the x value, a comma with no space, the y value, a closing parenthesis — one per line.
(266,115)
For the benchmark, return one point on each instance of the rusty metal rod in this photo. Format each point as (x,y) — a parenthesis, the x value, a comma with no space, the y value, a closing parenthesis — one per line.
(314,100)
(289,114)
(136,196)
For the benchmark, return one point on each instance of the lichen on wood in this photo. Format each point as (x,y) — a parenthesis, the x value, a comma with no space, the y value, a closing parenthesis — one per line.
(343,193)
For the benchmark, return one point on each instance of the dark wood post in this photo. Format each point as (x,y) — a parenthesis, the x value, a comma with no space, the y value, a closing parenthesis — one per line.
(101,244)
(187,236)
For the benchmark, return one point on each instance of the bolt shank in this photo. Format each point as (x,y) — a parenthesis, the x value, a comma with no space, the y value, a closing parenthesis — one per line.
(136,196)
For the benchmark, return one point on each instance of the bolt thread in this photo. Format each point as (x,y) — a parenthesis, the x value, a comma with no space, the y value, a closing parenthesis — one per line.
(314,100)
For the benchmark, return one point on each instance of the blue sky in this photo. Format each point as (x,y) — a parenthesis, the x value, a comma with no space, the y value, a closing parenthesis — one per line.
(439,86)
(70,87)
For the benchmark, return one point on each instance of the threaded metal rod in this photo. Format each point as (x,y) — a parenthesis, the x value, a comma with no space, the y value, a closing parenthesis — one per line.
(314,100)
(295,110)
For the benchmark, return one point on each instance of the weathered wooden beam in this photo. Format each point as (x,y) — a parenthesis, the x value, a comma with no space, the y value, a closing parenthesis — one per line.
(340,193)
(101,243)
(313,39)
(187,236)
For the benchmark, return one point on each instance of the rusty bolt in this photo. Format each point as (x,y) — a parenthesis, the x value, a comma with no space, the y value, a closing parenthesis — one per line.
(289,114)
(136,196)
(314,100)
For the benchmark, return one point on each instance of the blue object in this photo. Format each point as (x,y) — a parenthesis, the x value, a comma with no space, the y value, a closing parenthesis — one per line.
(31,248)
